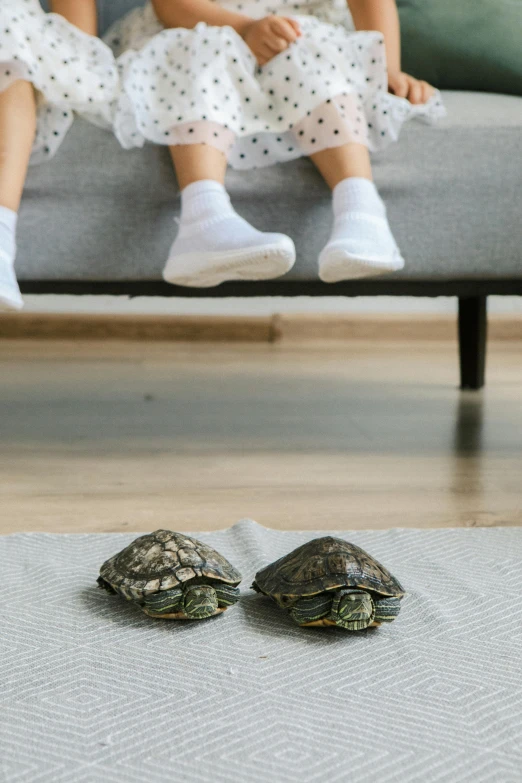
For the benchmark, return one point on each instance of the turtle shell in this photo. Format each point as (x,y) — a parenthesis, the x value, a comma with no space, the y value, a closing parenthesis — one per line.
(163,560)
(325,564)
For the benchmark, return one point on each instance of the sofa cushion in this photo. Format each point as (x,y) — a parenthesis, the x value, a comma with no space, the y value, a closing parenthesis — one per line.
(97,212)
(111,10)
(464,45)
(108,10)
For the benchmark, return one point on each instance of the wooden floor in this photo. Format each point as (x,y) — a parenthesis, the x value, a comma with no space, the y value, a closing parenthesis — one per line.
(133,436)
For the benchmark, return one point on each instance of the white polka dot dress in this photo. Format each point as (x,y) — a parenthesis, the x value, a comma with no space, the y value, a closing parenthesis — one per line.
(71,71)
(203,85)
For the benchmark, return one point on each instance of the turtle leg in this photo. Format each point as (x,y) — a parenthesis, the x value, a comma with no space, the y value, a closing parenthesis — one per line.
(386,610)
(164,604)
(226,595)
(312,611)
(353,609)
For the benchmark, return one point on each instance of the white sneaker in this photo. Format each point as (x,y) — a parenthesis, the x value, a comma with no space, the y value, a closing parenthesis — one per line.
(201,257)
(346,258)
(10,295)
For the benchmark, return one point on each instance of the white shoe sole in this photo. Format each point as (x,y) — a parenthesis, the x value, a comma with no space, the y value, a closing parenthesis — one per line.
(204,270)
(8,301)
(340,266)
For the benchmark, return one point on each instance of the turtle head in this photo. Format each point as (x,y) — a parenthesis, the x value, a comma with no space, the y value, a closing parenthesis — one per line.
(200,601)
(353,609)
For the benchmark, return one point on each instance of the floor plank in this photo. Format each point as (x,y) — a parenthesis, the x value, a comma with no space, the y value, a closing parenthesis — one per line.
(109,436)
(247,328)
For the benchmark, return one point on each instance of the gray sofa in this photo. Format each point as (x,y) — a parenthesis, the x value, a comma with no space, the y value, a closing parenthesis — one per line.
(100,220)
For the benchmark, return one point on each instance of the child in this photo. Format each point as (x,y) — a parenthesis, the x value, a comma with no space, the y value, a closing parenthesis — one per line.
(48,69)
(255,82)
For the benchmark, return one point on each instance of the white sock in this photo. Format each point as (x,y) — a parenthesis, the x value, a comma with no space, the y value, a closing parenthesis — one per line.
(10,296)
(361,243)
(215,244)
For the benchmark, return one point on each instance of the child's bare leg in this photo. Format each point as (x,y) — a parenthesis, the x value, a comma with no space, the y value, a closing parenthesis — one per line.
(214,243)
(17,130)
(194,162)
(338,163)
(361,243)
(79,13)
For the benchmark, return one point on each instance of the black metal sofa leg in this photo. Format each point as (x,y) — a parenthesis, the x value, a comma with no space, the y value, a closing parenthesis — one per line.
(472,341)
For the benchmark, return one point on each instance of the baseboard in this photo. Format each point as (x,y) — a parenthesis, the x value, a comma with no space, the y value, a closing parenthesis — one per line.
(289,327)
(175,328)
(312,326)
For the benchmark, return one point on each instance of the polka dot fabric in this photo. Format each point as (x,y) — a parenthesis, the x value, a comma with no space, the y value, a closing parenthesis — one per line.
(182,86)
(70,70)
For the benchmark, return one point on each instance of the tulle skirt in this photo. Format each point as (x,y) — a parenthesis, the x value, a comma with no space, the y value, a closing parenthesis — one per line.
(180,86)
(71,71)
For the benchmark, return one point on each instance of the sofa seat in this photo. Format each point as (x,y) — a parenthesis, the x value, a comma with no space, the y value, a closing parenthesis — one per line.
(100,213)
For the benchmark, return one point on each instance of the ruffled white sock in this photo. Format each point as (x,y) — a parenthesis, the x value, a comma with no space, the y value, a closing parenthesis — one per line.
(10,296)
(361,243)
(215,244)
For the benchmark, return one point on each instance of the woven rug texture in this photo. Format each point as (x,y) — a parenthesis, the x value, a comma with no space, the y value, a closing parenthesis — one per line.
(93,691)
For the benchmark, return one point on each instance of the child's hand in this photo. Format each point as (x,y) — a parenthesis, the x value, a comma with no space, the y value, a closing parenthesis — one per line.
(405,86)
(269,36)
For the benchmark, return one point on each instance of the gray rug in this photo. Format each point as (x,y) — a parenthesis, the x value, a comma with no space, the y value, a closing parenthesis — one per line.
(93,690)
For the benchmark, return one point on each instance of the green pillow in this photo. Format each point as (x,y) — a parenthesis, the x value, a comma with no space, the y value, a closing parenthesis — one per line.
(464,44)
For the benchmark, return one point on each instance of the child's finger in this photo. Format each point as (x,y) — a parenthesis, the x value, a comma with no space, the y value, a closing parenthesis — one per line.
(427,91)
(264,54)
(415,93)
(284,29)
(400,87)
(294,23)
(276,44)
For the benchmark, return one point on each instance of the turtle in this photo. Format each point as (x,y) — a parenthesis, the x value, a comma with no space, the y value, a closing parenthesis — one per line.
(172,576)
(329,581)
